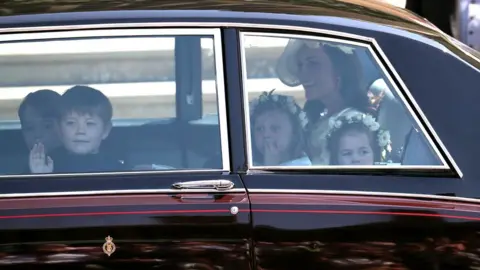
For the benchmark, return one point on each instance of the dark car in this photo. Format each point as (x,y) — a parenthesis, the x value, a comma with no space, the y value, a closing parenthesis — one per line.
(235,135)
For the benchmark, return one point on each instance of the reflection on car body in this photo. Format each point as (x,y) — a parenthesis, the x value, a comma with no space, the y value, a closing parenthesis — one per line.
(321,135)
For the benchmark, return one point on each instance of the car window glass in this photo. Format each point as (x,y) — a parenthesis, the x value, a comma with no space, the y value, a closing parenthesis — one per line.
(106,104)
(327,103)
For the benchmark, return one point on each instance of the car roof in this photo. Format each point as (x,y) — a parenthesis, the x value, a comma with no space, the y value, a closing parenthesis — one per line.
(66,12)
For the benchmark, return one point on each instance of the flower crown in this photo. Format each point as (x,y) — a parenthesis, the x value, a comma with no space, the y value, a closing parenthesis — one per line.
(284,102)
(383,136)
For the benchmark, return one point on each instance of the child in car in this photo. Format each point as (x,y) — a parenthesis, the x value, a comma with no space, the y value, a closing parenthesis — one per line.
(38,113)
(356,139)
(277,128)
(84,123)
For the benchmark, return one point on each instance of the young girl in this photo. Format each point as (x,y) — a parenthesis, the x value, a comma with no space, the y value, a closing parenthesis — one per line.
(277,126)
(357,140)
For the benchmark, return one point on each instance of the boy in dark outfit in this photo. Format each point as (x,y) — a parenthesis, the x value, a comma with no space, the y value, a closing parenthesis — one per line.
(84,122)
(38,113)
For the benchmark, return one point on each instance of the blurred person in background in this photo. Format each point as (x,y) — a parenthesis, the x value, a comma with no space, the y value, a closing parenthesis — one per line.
(466,22)
(457,18)
(438,12)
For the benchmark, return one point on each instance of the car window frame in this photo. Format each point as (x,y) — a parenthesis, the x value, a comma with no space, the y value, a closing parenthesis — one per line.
(52,33)
(448,167)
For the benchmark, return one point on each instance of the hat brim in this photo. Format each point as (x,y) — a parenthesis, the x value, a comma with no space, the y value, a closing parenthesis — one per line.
(287,66)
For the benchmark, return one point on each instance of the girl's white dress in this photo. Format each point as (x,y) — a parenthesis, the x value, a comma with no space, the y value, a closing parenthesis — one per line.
(303,161)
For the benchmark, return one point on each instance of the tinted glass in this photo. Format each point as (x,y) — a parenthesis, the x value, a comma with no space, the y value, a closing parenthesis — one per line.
(109,104)
(321,102)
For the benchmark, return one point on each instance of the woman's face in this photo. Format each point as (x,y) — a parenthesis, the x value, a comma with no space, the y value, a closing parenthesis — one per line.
(316,73)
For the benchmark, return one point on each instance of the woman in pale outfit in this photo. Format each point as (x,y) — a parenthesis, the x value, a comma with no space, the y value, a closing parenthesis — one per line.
(331,77)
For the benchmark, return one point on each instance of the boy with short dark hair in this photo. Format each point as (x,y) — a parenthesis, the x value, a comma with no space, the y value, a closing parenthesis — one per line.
(38,113)
(84,122)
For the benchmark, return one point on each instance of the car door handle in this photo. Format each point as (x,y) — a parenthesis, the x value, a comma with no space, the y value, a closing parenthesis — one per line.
(205,184)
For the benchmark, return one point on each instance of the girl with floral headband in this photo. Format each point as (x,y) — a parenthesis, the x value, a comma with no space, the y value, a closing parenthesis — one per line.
(277,126)
(357,140)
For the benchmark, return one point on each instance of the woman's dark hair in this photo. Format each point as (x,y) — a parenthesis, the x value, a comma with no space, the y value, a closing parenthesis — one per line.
(347,67)
(333,140)
(298,144)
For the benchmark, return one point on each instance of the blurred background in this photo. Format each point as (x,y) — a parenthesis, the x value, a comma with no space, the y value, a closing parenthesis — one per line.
(457,18)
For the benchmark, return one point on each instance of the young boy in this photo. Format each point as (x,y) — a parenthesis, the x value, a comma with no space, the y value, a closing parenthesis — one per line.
(84,122)
(38,113)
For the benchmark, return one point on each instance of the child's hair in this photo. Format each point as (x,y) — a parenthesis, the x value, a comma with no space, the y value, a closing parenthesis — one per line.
(268,101)
(362,123)
(46,102)
(86,100)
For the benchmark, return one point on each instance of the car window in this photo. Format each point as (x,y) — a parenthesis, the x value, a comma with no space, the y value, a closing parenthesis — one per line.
(324,102)
(89,102)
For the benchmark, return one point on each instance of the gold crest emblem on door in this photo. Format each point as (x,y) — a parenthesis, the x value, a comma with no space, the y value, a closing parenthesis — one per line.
(109,246)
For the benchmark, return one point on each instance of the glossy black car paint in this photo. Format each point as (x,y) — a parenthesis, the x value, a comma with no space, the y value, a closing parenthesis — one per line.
(295,224)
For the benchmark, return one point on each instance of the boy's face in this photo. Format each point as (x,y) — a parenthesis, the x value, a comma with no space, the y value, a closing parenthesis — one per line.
(83,133)
(354,149)
(36,128)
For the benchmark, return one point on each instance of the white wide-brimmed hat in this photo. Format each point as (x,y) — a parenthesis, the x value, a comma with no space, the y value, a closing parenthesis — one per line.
(287,67)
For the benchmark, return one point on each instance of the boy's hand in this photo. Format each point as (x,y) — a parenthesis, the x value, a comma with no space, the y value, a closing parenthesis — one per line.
(38,161)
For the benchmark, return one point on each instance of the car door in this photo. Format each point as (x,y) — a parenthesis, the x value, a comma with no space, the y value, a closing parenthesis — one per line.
(172,205)
(380,202)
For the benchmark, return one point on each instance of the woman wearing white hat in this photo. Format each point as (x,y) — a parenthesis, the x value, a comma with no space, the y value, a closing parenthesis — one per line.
(331,77)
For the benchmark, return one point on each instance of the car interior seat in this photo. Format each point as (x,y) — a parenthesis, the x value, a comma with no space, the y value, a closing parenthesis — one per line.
(416,150)
(392,115)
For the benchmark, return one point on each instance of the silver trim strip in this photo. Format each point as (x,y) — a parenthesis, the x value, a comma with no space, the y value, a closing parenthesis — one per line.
(363,193)
(180,24)
(112,33)
(114,192)
(396,89)
(341,167)
(221,102)
(246,107)
(126,173)
(220,83)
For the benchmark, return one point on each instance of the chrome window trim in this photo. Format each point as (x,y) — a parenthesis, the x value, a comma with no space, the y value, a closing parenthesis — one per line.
(221,102)
(399,93)
(125,173)
(114,192)
(363,193)
(215,33)
(181,24)
(253,26)
(127,33)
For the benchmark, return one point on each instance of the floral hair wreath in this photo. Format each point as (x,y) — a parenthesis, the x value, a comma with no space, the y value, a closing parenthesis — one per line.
(285,102)
(383,137)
